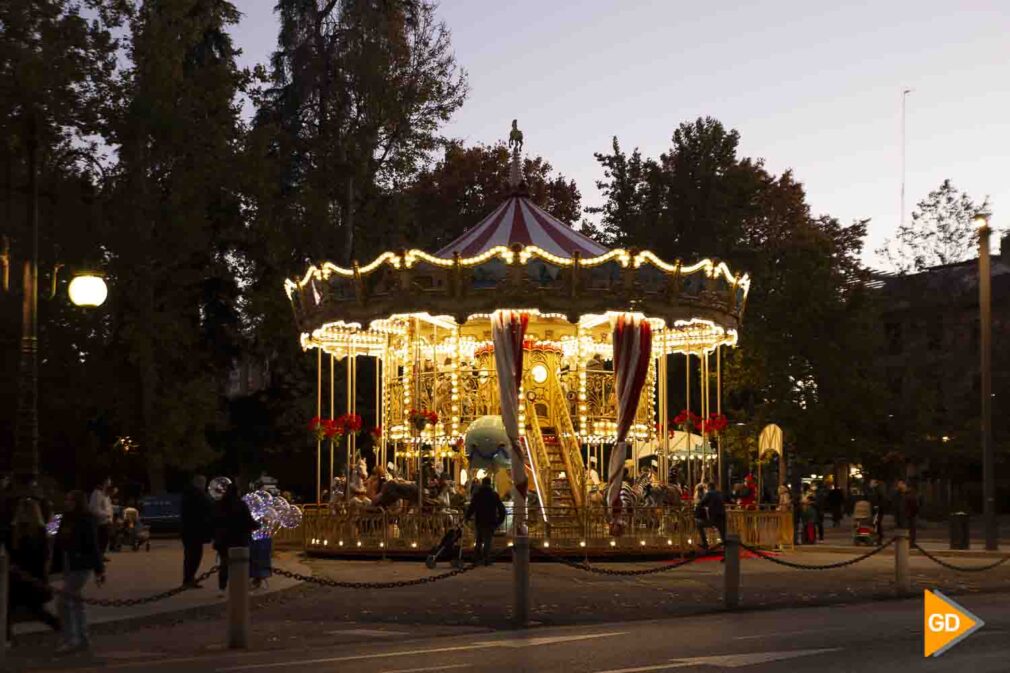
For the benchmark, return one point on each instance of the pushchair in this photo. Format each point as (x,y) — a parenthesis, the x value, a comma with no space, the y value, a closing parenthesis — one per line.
(129,531)
(448,548)
(863,531)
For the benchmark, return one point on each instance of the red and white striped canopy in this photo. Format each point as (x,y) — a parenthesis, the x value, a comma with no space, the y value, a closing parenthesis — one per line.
(519,220)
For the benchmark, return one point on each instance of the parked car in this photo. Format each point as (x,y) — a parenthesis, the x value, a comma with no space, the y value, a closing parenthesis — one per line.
(162,513)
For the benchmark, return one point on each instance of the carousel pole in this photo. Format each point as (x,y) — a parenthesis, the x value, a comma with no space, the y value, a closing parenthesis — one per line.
(718,408)
(319,414)
(687,387)
(347,390)
(333,400)
(377,449)
(704,413)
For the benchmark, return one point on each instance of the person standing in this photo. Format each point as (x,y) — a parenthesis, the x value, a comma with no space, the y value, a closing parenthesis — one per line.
(711,512)
(77,555)
(836,504)
(196,520)
(820,495)
(488,512)
(29,552)
(100,505)
(233,527)
(911,511)
(899,504)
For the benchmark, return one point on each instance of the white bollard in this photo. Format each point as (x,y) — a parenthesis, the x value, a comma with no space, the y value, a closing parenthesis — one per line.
(238,597)
(902,575)
(731,572)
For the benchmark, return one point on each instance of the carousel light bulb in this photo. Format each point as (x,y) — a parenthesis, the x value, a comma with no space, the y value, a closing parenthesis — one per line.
(613,543)
(539,373)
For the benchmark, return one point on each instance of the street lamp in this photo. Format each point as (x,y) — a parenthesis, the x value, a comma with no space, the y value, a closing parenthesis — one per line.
(88,289)
(985,344)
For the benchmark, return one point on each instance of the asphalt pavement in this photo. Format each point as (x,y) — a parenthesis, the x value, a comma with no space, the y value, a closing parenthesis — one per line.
(857,638)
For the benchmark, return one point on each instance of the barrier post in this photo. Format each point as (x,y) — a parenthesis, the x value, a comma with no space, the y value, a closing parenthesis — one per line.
(4,587)
(731,572)
(902,575)
(238,597)
(521,581)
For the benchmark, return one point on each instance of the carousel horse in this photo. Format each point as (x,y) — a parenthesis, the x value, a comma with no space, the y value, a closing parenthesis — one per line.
(357,489)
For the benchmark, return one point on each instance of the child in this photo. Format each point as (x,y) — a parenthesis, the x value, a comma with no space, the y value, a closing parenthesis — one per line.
(808,515)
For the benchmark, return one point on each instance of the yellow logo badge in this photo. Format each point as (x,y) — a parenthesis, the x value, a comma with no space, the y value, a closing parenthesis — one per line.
(945,623)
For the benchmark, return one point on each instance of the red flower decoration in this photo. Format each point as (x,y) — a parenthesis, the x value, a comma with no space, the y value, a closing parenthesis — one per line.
(687,420)
(376,433)
(714,424)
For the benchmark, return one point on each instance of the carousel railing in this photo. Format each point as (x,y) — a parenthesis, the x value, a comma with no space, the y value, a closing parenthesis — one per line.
(539,459)
(641,528)
(770,528)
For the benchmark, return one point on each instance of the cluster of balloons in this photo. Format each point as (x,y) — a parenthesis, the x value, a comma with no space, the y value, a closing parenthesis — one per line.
(272,512)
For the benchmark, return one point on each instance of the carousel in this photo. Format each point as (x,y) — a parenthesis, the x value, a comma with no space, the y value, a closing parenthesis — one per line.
(526,352)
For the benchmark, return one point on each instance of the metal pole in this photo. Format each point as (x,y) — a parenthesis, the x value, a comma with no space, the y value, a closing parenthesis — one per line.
(718,410)
(319,414)
(25,463)
(238,597)
(690,430)
(985,343)
(333,394)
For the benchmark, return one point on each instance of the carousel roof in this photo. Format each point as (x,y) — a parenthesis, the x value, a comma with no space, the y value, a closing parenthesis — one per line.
(519,220)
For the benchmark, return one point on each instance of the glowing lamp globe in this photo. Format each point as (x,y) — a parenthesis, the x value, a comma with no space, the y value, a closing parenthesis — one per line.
(88,289)
(539,373)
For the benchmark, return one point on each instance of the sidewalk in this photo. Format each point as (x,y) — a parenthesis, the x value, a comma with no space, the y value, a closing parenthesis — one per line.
(132,574)
(931,536)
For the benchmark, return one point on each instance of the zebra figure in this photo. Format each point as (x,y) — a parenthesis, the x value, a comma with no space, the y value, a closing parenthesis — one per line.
(631,497)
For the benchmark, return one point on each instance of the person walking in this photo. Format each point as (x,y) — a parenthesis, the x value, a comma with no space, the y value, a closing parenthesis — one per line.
(233,527)
(29,553)
(77,555)
(195,516)
(711,513)
(488,512)
(100,505)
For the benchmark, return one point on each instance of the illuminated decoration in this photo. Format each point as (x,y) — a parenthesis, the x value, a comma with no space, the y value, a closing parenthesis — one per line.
(272,512)
(428,318)
(217,487)
(88,289)
(53,526)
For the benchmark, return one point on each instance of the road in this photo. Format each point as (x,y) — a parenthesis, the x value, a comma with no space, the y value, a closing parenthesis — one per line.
(882,636)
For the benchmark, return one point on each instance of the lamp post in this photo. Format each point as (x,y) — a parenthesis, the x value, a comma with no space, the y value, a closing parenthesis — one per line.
(985,344)
(87,289)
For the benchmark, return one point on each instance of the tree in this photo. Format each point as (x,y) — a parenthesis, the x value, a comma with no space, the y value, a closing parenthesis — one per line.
(941,231)
(806,352)
(57,74)
(175,231)
(358,92)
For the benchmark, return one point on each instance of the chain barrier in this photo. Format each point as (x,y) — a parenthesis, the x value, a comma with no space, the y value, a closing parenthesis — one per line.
(107,602)
(585,567)
(338,584)
(962,569)
(827,566)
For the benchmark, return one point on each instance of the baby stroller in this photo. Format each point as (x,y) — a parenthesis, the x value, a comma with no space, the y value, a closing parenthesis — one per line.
(862,524)
(449,548)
